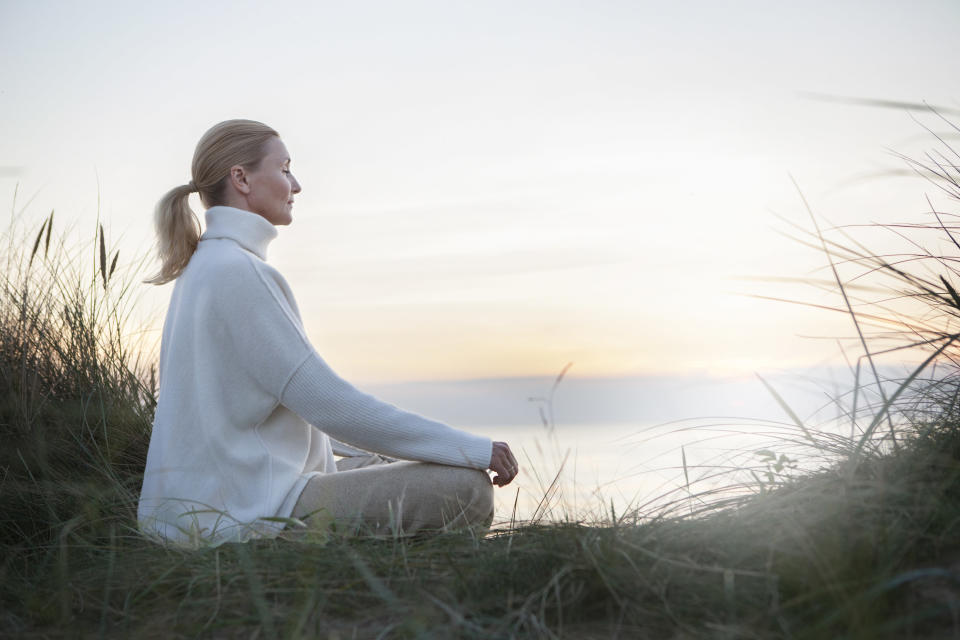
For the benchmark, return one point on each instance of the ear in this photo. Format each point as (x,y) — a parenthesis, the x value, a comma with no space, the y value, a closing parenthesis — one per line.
(238,178)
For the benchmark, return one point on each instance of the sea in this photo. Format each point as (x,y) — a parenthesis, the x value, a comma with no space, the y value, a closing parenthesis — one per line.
(629,448)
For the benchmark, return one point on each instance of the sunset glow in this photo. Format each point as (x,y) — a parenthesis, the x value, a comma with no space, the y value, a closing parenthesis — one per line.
(498,189)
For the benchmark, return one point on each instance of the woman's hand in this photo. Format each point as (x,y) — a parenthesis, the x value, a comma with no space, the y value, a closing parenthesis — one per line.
(503,464)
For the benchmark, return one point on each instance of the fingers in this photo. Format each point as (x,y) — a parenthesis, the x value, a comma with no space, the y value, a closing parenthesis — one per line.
(504,464)
(513,460)
(503,479)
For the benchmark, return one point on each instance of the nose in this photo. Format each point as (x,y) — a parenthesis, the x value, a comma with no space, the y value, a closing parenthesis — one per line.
(295,185)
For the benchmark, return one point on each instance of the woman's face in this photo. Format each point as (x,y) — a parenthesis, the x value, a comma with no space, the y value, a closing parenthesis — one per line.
(272,185)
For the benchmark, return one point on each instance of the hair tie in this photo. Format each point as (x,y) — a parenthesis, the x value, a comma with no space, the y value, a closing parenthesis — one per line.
(192,186)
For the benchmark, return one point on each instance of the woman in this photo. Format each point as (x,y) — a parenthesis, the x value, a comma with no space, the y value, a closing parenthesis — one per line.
(242,439)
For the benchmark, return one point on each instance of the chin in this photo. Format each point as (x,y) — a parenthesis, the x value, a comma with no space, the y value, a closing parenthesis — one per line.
(281,219)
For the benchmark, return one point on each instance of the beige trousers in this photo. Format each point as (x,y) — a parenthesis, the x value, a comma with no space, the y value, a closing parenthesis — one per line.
(377,496)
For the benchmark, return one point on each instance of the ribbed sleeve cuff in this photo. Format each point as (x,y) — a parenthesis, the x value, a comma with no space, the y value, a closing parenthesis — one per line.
(475,452)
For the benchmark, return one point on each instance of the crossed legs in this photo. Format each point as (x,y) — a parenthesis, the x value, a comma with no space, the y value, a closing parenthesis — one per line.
(372,495)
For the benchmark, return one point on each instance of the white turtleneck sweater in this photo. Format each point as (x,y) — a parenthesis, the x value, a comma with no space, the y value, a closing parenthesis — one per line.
(246,403)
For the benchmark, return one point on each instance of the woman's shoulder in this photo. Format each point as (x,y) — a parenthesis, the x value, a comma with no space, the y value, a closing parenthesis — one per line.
(233,272)
(228,260)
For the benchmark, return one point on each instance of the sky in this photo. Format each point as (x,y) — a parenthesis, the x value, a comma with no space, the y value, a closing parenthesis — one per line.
(494,190)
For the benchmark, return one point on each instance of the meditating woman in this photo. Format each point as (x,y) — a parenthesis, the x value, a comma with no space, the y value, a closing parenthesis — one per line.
(249,415)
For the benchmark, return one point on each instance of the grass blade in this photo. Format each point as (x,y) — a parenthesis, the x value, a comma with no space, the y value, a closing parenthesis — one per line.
(885,409)
(36,243)
(793,416)
(103,258)
(113,265)
(46,245)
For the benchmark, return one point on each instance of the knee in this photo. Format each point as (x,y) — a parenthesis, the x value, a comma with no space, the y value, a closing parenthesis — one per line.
(475,497)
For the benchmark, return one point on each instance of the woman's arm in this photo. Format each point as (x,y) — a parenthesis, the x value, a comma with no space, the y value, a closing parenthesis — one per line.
(262,330)
(342,411)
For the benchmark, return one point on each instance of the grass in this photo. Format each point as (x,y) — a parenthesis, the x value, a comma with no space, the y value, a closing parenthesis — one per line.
(851,532)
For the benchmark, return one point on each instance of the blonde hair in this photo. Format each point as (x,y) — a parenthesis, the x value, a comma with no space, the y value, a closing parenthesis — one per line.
(224,145)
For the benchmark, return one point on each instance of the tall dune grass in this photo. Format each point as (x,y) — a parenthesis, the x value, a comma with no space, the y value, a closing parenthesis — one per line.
(75,409)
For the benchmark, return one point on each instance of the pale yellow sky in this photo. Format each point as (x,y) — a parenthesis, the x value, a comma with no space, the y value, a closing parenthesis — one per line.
(497,189)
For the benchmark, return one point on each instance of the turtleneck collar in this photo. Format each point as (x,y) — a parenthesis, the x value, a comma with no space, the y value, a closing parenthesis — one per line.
(250,230)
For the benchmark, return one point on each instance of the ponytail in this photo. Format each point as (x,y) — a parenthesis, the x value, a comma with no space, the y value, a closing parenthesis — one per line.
(178,232)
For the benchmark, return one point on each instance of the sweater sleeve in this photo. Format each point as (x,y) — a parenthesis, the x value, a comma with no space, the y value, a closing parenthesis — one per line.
(334,406)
